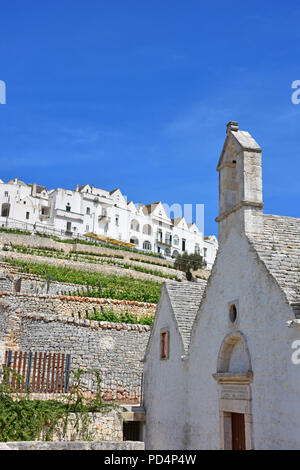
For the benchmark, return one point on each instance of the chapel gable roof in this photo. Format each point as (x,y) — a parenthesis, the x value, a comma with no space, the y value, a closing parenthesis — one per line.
(185,298)
(278,246)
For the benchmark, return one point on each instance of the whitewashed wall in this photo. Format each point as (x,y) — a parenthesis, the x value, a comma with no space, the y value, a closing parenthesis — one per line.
(164,387)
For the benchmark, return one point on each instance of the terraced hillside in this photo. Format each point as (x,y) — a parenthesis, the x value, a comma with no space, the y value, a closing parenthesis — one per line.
(107,272)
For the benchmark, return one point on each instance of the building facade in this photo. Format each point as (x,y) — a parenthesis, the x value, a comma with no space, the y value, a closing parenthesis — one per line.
(222,363)
(107,214)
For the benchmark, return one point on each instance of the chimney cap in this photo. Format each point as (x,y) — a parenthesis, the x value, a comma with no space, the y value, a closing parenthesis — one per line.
(232,126)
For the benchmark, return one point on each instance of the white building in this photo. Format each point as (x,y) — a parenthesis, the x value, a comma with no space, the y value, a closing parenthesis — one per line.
(105,213)
(222,366)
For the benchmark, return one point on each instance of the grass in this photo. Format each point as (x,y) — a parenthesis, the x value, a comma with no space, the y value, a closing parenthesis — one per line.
(90,258)
(111,316)
(102,285)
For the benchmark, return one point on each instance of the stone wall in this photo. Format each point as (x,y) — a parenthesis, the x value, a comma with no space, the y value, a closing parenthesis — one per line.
(113,349)
(28,284)
(76,445)
(102,426)
(74,306)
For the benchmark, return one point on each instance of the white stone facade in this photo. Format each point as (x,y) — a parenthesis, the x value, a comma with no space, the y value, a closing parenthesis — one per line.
(92,210)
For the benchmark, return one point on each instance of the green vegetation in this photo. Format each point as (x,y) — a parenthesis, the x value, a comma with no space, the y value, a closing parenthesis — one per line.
(15,231)
(26,419)
(186,263)
(103,285)
(97,243)
(110,315)
(89,258)
(170,266)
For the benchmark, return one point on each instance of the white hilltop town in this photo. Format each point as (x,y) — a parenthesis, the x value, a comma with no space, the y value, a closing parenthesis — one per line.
(106,214)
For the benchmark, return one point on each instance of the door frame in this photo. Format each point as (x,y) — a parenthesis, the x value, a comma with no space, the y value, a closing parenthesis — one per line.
(234,397)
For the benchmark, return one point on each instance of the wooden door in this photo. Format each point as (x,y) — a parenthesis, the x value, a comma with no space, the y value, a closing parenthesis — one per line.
(238,431)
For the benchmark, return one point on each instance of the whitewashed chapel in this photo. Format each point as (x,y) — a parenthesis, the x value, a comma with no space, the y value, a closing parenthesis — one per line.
(221,371)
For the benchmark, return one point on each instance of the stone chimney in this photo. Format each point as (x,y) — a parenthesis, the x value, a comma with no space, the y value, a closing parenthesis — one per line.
(33,191)
(240,183)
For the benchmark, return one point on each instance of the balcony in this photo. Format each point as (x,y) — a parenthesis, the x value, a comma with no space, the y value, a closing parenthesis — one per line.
(101,199)
(103,218)
(44,216)
(166,241)
(69,214)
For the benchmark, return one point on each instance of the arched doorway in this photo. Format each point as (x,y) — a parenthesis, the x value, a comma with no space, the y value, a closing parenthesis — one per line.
(234,376)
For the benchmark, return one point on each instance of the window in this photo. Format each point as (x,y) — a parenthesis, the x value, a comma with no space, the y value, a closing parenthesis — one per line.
(164,344)
(233,313)
(68,208)
(117,220)
(69,226)
(88,211)
(176,240)
(27,215)
(6,194)
(87,228)
(147,246)
(5,210)
(135,226)
(183,244)
(197,249)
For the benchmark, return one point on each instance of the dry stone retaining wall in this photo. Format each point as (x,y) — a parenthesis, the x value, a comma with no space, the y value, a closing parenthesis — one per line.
(113,349)
(74,306)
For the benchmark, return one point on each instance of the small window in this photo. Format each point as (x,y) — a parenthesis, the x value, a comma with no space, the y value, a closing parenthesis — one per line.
(88,211)
(6,194)
(27,215)
(164,344)
(117,220)
(233,313)
(68,208)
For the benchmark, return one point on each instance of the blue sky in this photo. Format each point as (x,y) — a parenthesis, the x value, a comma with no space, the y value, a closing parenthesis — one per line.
(137,94)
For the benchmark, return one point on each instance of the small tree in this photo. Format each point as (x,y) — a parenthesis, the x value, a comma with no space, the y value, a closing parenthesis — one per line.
(186,263)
